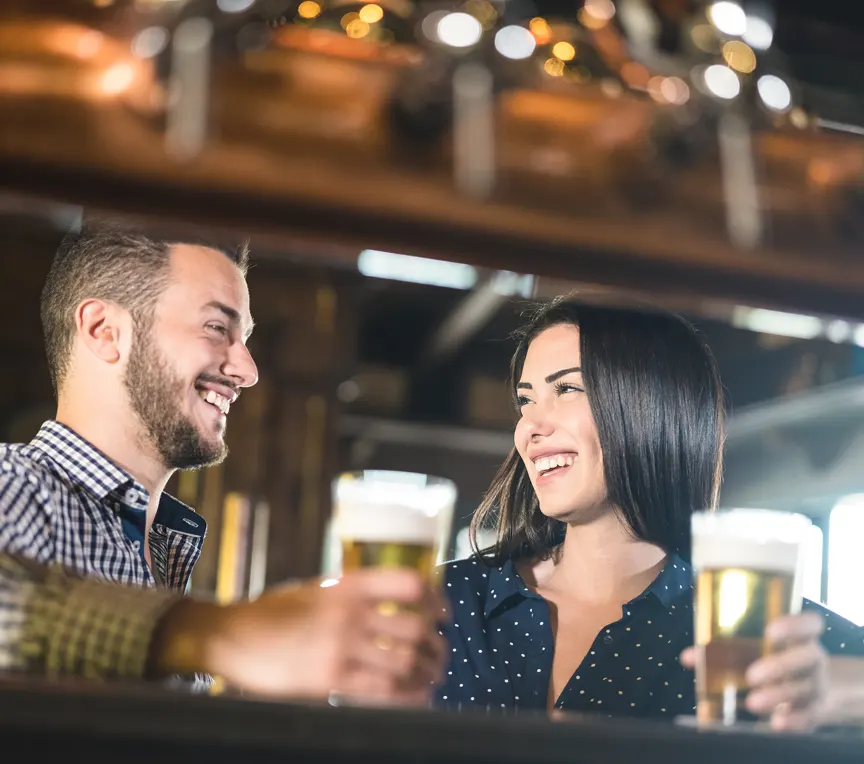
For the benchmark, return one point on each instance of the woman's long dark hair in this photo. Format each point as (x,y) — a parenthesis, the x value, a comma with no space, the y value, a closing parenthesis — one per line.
(655,394)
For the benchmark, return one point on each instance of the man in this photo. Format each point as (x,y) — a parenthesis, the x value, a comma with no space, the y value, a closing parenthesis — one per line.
(146,344)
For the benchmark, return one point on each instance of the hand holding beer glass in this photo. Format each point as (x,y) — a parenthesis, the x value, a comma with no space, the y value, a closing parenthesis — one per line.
(386,519)
(748,565)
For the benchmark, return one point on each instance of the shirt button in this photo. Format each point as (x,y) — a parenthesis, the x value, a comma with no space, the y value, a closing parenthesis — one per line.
(136,545)
(607,639)
(132,496)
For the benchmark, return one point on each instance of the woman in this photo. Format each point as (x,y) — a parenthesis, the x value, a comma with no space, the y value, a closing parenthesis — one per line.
(584,601)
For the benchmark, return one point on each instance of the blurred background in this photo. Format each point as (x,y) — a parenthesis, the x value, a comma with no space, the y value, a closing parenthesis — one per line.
(411,177)
(400,363)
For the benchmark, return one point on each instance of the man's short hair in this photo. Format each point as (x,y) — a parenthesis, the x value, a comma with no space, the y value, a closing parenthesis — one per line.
(106,261)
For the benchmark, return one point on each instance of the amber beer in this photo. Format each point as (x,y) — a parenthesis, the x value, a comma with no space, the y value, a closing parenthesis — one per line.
(748,565)
(392,519)
(388,554)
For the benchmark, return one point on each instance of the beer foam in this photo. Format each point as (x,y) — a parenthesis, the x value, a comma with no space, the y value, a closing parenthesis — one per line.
(384,523)
(717,552)
(752,539)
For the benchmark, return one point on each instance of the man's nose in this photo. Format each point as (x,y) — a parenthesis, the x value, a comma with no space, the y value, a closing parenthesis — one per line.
(241,367)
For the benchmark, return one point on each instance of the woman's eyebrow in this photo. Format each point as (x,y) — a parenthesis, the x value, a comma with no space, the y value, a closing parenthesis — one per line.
(558,374)
(550,379)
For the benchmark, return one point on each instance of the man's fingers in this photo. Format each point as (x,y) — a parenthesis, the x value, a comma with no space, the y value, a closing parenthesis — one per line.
(362,683)
(401,585)
(410,662)
(404,625)
(415,628)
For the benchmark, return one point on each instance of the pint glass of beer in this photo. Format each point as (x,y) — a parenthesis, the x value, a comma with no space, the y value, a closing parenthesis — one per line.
(748,565)
(391,519)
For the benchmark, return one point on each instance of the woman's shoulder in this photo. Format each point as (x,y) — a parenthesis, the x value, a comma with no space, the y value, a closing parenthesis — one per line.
(472,567)
(471,574)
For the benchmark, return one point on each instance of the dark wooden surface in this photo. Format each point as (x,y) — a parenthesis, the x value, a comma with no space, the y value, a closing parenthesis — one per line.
(135,724)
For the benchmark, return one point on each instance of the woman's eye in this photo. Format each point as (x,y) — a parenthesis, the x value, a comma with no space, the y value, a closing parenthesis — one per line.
(521,400)
(564,387)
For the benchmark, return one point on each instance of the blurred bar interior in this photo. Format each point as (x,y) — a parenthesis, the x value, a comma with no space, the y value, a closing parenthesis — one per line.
(410,174)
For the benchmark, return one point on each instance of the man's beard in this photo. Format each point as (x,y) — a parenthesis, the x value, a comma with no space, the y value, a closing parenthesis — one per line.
(156,394)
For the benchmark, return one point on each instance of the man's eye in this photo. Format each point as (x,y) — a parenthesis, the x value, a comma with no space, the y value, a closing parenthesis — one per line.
(217,328)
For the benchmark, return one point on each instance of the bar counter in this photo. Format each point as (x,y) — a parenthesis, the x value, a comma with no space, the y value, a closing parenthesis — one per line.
(98,723)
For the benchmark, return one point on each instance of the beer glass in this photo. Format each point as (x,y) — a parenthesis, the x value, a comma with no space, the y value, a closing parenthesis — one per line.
(748,565)
(391,519)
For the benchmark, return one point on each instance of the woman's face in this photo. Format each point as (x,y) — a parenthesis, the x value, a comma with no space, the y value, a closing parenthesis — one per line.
(556,435)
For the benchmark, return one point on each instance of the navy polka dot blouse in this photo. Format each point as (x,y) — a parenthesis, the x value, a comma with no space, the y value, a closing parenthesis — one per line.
(500,647)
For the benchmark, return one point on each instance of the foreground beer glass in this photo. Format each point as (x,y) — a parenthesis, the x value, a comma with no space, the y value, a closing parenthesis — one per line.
(748,565)
(391,519)
(388,519)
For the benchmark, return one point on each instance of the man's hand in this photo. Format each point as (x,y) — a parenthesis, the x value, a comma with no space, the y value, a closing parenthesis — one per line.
(790,684)
(371,636)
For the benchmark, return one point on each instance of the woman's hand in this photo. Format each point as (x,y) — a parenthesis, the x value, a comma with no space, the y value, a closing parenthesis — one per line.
(791,683)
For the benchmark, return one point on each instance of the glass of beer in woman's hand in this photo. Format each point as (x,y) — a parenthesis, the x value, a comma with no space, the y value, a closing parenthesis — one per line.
(748,565)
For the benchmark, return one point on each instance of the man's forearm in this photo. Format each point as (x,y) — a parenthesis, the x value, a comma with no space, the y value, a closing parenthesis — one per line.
(55,623)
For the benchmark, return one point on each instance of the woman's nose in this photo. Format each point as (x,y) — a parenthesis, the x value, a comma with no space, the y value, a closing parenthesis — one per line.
(537,422)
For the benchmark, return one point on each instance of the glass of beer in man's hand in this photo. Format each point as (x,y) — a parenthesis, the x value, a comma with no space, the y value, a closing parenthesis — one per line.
(748,565)
(392,519)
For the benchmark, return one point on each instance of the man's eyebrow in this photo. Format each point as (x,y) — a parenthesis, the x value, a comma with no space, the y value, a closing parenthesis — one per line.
(232,314)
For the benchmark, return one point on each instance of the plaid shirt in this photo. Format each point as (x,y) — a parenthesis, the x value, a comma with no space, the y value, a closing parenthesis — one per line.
(71,564)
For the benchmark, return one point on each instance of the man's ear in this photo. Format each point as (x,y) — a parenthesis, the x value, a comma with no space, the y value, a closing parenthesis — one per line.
(101,328)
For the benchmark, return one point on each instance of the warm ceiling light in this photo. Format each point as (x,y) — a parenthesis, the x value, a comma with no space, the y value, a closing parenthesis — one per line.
(117,79)
(371,13)
(540,29)
(675,90)
(564,50)
(308,9)
(600,9)
(554,67)
(357,29)
(740,56)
